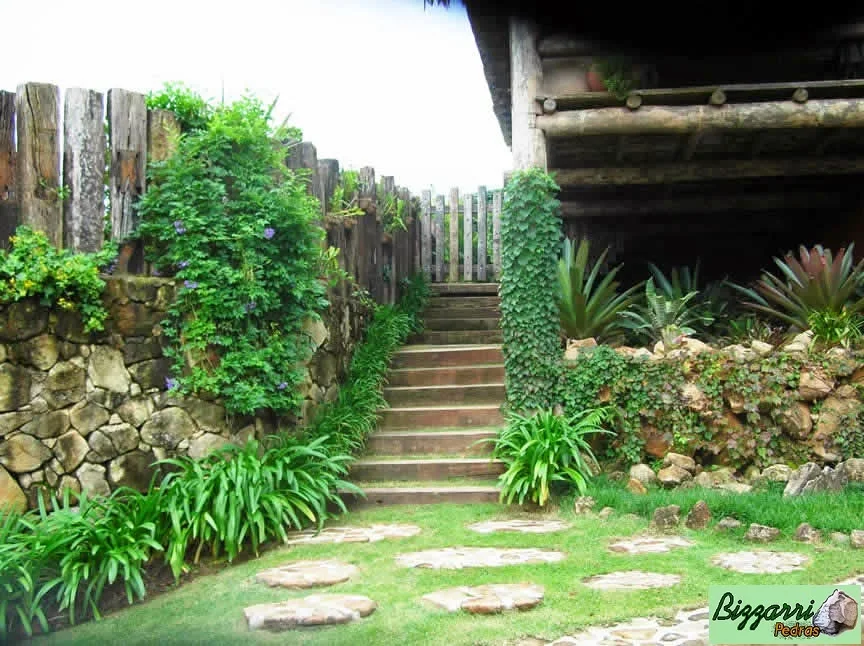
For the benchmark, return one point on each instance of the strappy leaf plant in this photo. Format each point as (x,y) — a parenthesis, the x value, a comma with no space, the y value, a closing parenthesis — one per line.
(660,318)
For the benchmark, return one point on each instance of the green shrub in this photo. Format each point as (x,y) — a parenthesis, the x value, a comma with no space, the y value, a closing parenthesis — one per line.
(545,448)
(589,308)
(193,112)
(661,318)
(835,328)
(817,281)
(35,268)
(530,320)
(228,218)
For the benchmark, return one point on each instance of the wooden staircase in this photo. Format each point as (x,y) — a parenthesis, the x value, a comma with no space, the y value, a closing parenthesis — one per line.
(444,394)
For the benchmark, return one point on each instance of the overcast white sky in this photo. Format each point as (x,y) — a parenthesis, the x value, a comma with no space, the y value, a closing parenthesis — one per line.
(370,82)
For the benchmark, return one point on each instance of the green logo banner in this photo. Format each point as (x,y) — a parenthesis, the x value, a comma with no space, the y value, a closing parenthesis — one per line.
(784,614)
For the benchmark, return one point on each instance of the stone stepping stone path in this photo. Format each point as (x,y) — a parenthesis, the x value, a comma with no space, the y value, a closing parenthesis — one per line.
(858,578)
(689,628)
(307,574)
(314,610)
(632,580)
(488,599)
(456,558)
(522,526)
(371,534)
(761,562)
(650,544)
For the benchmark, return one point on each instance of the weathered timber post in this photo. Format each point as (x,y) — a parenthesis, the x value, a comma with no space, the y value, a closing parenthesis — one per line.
(328,177)
(8,200)
(468,237)
(38,163)
(388,190)
(497,203)
(426,234)
(439,238)
(526,73)
(163,136)
(481,234)
(453,274)
(84,170)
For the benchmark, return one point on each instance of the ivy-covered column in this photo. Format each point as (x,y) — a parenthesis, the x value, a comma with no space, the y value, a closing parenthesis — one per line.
(530,241)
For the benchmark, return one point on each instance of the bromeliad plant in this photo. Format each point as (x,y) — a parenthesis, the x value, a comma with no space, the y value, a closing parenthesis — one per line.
(660,318)
(816,281)
(545,449)
(589,306)
(709,303)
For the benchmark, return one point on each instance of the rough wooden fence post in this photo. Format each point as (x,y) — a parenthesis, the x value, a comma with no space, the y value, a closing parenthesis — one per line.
(439,238)
(127,123)
(84,170)
(468,237)
(453,274)
(426,234)
(407,241)
(372,257)
(163,136)
(497,199)
(328,177)
(416,236)
(388,190)
(8,201)
(481,234)
(37,112)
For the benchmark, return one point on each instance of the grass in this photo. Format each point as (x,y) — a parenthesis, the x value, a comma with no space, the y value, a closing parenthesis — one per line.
(825,511)
(210,609)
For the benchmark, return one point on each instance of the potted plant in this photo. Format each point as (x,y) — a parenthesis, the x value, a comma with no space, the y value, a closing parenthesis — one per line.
(613,74)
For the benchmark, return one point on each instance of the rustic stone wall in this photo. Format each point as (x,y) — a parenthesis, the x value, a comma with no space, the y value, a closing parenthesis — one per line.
(90,410)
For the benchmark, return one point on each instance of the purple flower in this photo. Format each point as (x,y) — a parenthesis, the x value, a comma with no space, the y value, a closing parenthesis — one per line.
(156,272)
(282,386)
(249,307)
(170,383)
(183,264)
(269,232)
(178,227)
(190,284)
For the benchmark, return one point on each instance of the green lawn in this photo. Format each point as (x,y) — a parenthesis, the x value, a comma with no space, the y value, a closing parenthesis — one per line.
(210,609)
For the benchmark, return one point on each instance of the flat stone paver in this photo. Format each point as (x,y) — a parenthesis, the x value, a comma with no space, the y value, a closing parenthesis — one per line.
(307,574)
(488,599)
(650,544)
(371,534)
(522,526)
(456,558)
(632,580)
(761,562)
(689,627)
(314,610)
(857,579)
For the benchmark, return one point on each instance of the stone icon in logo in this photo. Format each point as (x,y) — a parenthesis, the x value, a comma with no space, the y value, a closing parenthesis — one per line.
(837,614)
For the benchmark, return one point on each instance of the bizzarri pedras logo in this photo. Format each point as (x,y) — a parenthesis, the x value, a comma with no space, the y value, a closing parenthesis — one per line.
(784,614)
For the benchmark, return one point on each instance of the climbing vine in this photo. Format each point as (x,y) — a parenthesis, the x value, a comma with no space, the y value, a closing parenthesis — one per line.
(530,241)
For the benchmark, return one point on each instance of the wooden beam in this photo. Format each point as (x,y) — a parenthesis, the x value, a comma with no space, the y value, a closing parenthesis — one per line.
(690,144)
(701,171)
(526,76)
(825,113)
(699,204)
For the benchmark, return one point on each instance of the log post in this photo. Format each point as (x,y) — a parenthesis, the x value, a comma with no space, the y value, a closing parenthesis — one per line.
(467,237)
(388,189)
(163,137)
(718,97)
(800,95)
(426,233)
(84,170)
(481,234)
(526,74)
(497,204)
(439,238)
(8,201)
(453,274)
(37,112)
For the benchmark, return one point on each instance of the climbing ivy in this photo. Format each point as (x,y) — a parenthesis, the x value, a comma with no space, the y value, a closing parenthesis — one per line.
(530,241)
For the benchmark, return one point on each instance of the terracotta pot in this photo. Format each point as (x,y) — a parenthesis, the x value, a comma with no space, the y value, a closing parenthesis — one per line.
(594,79)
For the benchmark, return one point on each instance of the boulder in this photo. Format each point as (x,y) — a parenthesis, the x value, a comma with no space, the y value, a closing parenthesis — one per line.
(23,453)
(12,498)
(695,346)
(854,468)
(136,411)
(14,387)
(814,385)
(574,346)
(87,416)
(634,353)
(133,470)
(694,398)
(812,478)
(832,417)
(800,343)
(107,369)
(102,448)
(735,487)
(714,478)
(796,421)
(40,352)
(761,348)
(314,328)
(132,319)
(838,613)
(657,443)
(740,352)
(152,373)
(13,421)
(141,349)
(92,479)
(66,384)
(777,473)
(683,461)
(207,415)
(728,523)
(806,534)
(699,516)
(839,537)
(203,446)
(752,473)
(856,538)
(70,450)
(122,436)
(583,504)
(636,487)
(666,518)
(48,425)
(643,473)
(22,320)
(167,428)
(703,480)
(735,402)
(673,476)
(606,512)
(761,533)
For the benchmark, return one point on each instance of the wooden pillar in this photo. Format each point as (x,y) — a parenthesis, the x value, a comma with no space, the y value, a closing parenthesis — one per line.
(453,273)
(526,74)
(8,201)
(426,234)
(468,238)
(439,238)
(481,234)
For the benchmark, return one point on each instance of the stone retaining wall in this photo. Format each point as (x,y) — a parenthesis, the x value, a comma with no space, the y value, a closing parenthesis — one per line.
(91,411)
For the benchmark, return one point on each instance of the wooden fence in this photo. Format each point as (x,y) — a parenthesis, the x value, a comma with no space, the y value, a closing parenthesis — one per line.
(59,161)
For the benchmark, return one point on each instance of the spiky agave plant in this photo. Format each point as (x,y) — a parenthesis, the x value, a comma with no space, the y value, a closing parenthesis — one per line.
(589,308)
(817,281)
